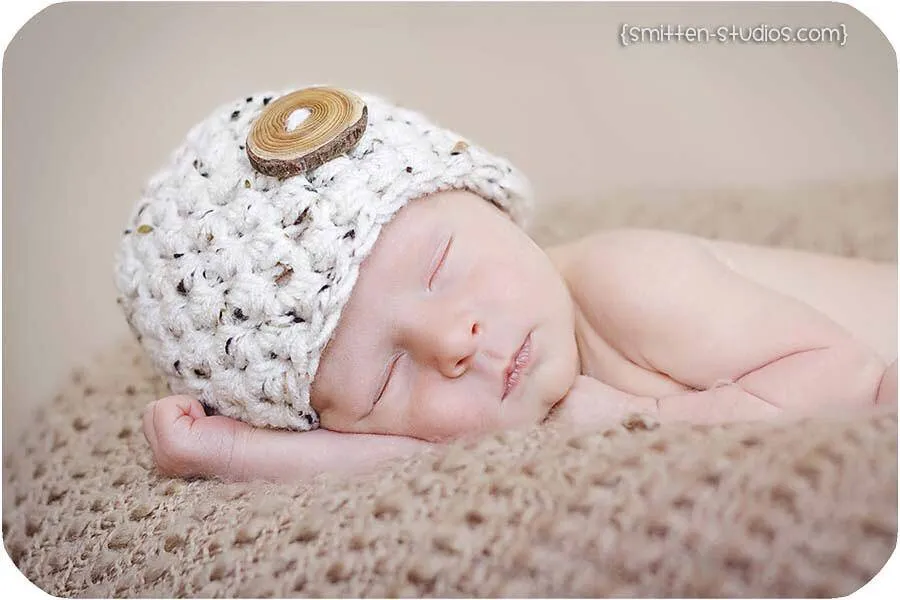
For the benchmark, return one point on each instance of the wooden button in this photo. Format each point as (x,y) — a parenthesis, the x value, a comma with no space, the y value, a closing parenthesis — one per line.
(304,129)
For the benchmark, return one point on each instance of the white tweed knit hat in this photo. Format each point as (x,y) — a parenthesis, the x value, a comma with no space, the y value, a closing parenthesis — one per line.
(233,281)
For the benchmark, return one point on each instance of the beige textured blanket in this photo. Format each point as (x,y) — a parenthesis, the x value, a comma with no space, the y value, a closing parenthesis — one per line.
(757,509)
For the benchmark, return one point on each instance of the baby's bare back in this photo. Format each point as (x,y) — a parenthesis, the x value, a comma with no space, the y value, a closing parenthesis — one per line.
(859,295)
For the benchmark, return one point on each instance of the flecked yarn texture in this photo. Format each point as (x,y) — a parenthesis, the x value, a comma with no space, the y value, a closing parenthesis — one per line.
(803,508)
(234,281)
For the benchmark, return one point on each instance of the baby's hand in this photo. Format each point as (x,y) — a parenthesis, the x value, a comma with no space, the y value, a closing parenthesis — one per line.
(591,403)
(188,443)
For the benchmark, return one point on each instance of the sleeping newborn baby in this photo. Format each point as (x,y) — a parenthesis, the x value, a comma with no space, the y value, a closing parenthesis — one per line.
(389,298)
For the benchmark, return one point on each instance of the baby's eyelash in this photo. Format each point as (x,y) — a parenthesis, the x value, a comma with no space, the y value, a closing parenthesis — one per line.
(440,262)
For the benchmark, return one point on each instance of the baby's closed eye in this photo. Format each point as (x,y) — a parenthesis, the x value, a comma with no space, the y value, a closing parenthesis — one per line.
(387,379)
(439,260)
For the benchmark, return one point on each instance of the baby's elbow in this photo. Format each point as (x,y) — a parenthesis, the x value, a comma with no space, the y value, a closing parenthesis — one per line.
(887,389)
(864,371)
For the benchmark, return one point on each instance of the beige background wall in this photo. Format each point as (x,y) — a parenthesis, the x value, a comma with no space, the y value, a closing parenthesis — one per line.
(97,95)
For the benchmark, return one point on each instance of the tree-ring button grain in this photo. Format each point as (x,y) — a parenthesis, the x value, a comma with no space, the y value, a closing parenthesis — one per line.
(335,121)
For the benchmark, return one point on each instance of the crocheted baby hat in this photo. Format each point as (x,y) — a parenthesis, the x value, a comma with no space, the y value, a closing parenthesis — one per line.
(234,280)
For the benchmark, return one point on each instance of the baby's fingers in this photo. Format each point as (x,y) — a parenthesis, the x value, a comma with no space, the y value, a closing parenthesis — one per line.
(180,410)
(167,427)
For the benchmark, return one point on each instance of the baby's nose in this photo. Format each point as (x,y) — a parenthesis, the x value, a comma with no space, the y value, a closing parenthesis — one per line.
(449,343)
(457,351)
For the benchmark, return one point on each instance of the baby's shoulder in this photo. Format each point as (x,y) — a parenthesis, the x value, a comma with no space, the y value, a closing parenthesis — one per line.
(615,253)
(622,280)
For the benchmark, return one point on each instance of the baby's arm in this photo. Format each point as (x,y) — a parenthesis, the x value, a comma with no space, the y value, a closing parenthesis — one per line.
(792,385)
(667,302)
(591,403)
(188,443)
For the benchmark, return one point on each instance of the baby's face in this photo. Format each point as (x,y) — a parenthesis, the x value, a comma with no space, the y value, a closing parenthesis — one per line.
(450,293)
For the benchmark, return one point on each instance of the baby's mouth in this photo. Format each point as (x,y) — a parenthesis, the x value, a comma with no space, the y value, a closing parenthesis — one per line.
(515,371)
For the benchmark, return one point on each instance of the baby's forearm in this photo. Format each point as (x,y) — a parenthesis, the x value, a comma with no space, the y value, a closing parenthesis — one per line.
(287,456)
(188,443)
(716,405)
(845,376)
(802,383)
(592,403)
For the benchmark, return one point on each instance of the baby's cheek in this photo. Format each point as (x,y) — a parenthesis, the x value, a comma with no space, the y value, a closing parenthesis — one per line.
(447,416)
